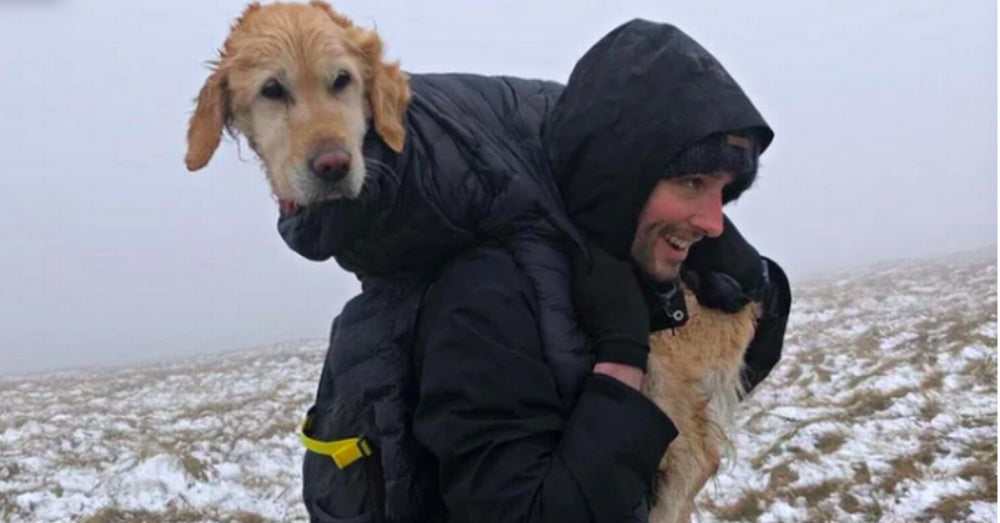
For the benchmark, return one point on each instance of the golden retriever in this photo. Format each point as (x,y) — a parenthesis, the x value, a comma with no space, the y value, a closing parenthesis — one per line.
(302,82)
(694,376)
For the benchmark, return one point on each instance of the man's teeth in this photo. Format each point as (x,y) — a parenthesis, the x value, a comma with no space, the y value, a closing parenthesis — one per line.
(678,243)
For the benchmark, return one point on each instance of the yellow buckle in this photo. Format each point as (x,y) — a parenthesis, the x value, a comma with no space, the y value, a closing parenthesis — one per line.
(343,451)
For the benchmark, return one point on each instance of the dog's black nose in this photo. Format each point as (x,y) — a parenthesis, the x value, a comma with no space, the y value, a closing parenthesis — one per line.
(330,164)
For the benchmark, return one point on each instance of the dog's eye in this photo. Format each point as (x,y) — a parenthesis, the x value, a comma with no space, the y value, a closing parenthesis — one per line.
(341,81)
(273,90)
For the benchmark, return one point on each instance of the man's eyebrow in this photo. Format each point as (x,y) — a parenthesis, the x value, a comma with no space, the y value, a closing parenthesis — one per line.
(738,141)
(726,176)
(711,174)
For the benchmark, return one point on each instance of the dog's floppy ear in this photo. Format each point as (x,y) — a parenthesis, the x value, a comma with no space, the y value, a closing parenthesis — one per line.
(205,126)
(388,90)
(212,112)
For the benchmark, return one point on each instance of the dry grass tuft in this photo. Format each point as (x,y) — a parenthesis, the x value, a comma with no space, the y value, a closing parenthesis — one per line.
(117,515)
(172,515)
(830,442)
(817,492)
(781,476)
(862,475)
(932,381)
(747,508)
(903,468)
(985,470)
(194,467)
(247,517)
(930,408)
(952,508)
(982,372)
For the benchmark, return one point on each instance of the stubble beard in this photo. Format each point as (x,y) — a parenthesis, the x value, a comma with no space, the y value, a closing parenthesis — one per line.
(644,255)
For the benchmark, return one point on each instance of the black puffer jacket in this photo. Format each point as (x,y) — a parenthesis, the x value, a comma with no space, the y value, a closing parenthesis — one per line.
(471,172)
(510,447)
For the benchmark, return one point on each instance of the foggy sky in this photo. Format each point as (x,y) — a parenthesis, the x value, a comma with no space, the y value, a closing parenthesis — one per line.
(110,251)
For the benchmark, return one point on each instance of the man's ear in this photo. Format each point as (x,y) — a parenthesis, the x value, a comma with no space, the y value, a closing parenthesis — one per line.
(388,89)
(206,124)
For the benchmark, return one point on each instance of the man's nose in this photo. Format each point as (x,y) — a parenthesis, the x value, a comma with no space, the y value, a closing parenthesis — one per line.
(708,217)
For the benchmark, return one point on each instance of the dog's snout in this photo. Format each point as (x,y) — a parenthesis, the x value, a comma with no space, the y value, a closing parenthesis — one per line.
(330,164)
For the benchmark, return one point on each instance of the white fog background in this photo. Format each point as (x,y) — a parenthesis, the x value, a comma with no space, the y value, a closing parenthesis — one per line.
(111,252)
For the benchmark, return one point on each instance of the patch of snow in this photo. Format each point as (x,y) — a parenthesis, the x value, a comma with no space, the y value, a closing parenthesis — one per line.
(855,404)
(988,330)
(982,512)
(919,496)
(782,512)
(903,377)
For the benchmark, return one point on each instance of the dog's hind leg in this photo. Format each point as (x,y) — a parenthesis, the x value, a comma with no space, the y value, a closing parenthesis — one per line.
(687,466)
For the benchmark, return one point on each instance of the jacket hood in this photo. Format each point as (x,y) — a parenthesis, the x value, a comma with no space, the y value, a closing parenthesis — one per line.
(641,95)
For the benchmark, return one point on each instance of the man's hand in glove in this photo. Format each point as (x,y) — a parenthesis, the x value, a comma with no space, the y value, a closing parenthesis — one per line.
(613,313)
(727,273)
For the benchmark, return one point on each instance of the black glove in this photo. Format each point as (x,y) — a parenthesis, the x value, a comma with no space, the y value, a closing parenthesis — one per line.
(764,351)
(725,272)
(611,308)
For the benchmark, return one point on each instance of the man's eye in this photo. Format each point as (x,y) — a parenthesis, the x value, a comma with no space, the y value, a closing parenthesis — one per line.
(694,182)
(273,90)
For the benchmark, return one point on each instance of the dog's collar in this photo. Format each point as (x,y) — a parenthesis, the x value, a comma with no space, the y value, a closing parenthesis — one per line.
(288,207)
(667,308)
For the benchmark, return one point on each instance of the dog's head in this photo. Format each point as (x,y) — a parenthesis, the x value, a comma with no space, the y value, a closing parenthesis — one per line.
(302,84)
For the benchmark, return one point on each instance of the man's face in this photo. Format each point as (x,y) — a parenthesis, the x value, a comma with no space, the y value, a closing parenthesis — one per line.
(679,212)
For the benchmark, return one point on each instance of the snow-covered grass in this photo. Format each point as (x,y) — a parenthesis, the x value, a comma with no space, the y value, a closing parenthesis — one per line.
(206,439)
(883,409)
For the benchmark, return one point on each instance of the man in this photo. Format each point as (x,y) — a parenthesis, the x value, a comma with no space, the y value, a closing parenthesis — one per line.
(462,362)
(649,139)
